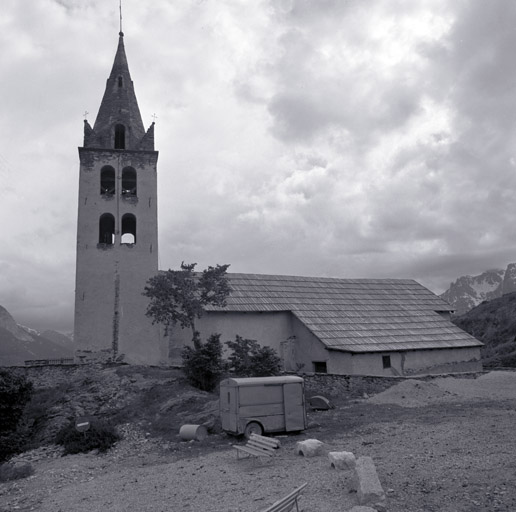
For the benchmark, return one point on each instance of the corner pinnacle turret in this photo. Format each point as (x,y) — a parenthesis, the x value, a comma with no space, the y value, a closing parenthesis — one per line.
(119,124)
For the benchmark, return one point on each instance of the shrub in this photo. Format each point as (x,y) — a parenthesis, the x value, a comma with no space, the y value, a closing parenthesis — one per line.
(15,472)
(100,436)
(203,365)
(15,392)
(12,443)
(265,362)
(250,359)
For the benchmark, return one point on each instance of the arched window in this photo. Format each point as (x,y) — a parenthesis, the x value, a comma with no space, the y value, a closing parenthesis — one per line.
(128,229)
(107,181)
(128,182)
(120,81)
(107,229)
(119,136)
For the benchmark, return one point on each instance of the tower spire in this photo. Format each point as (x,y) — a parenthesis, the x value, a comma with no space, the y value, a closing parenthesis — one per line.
(119,107)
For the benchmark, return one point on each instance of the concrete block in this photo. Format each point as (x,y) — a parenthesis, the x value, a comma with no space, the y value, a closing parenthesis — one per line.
(370,490)
(309,447)
(342,460)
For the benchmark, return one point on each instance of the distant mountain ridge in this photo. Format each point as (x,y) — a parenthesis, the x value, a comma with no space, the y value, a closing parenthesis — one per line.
(470,291)
(19,343)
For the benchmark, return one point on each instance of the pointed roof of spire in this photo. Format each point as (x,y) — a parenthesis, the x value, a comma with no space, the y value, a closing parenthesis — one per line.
(120,66)
(119,105)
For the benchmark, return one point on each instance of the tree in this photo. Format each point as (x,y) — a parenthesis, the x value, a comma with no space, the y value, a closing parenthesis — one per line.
(181,296)
(203,364)
(250,359)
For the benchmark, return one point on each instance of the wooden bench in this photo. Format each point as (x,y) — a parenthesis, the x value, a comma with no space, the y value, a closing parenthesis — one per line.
(287,503)
(259,446)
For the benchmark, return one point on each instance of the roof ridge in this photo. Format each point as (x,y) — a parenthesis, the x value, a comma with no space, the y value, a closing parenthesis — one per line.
(282,277)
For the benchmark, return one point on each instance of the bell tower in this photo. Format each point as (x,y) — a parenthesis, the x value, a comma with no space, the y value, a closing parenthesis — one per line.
(117,228)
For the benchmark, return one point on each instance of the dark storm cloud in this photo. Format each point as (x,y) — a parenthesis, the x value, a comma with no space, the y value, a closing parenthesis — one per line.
(340,138)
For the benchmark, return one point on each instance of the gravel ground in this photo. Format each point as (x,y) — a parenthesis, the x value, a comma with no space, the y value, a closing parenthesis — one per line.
(445,445)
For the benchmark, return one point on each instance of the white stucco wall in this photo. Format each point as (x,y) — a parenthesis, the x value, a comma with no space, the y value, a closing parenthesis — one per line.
(308,348)
(410,362)
(268,329)
(443,360)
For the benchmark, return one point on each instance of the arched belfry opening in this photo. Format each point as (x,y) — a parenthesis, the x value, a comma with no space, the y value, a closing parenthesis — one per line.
(129,182)
(107,229)
(119,136)
(107,181)
(128,229)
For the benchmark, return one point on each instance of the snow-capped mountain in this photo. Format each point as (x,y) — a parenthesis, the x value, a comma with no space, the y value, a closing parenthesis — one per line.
(19,343)
(30,330)
(8,323)
(469,291)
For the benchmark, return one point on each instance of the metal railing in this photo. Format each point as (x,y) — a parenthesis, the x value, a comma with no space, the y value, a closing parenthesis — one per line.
(48,362)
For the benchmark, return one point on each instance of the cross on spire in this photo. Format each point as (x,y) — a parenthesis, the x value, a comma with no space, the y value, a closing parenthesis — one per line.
(154,117)
(120,7)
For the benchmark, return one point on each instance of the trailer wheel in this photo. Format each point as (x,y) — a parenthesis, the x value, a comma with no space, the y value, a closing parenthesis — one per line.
(253,428)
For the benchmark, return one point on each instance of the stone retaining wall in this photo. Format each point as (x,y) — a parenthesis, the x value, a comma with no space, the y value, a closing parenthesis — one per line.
(352,386)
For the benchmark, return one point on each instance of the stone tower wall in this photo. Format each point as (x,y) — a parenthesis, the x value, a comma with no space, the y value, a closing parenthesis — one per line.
(110,278)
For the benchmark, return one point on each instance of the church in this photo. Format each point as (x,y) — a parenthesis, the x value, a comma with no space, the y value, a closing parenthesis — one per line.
(321,325)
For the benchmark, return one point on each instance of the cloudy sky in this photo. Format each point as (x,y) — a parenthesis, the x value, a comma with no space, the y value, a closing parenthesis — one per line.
(341,138)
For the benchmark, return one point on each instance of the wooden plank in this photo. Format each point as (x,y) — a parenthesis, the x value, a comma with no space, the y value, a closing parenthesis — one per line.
(252,451)
(268,440)
(263,442)
(257,447)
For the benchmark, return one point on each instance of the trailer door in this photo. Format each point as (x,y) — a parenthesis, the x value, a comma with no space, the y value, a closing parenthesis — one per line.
(228,408)
(294,406)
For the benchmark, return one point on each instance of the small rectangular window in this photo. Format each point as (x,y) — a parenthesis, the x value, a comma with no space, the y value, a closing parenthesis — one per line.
(386,360)
(320,367)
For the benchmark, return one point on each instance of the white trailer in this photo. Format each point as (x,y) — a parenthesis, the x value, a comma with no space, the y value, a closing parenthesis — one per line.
(257,405)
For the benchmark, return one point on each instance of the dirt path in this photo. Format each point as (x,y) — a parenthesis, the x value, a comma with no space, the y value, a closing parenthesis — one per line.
(454,451)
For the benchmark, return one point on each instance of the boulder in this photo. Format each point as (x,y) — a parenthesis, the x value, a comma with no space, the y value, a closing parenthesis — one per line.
(309,447)
(342,460)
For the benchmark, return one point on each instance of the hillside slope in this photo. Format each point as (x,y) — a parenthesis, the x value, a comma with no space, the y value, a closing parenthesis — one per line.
(493,323)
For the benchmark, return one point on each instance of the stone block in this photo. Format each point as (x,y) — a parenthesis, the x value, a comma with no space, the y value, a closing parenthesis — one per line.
(342,460)
(370,490)
(360,508)
(309,447)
